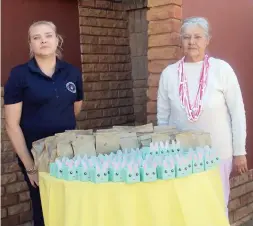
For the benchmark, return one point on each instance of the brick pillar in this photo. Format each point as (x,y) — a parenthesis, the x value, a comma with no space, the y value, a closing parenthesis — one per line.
(241,199)
(15,199)
(106,64)
(164,17)
(138,38)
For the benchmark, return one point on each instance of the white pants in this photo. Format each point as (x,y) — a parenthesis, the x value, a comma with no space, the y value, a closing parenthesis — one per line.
(225,171)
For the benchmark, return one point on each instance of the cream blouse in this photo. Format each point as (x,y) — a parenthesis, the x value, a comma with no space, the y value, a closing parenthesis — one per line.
(223,113)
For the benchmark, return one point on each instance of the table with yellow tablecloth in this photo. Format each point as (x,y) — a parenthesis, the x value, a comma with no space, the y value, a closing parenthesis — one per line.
(196,200)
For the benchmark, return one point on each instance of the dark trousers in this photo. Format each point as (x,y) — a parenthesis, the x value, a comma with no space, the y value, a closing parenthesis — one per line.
(36,202)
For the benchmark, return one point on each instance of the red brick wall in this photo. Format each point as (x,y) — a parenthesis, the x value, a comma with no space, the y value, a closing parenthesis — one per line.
(241,199)
(106,65)
(15,199)
(163,44)
(138,40)
(164,18)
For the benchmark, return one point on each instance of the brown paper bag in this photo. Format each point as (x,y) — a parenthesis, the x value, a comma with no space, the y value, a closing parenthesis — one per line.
(124,128)
(43,162)
(207,138)
(193,139)
(80,132)
(148,128)
(157,137)
(50,145)
(40,155)
(144,139)
(202,139)
(186,140)
(37,148)
(128,141)
(66,136)
(160,129)
(84,145)
(64,149)
(107,142)
(106,130)
(60,134)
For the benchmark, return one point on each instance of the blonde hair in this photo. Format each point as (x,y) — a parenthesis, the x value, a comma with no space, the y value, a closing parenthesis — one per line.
(58,36)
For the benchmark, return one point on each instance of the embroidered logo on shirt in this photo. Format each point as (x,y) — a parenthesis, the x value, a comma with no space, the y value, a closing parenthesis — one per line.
(71,87)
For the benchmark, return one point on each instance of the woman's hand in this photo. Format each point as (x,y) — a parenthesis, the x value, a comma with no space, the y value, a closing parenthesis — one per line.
(32,174)
(240,164)
(34,179)
(78,107)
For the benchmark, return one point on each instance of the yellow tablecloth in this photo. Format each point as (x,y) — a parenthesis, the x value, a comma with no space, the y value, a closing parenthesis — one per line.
(196,200)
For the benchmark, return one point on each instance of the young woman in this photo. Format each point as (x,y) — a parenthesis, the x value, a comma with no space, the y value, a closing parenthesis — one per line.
(42,97)
(202,93)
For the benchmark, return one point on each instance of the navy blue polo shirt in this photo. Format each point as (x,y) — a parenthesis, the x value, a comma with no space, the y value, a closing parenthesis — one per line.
(48,102)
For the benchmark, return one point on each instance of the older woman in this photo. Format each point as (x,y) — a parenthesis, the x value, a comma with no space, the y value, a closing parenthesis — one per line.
(42,97)
(202,93)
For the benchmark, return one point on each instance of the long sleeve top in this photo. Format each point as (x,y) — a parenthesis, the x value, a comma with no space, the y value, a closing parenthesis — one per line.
(223,113)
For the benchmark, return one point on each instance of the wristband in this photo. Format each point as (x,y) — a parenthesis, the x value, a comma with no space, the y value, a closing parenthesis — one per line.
(31,171)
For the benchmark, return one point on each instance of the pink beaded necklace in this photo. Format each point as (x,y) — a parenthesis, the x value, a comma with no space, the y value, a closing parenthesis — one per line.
(193,111)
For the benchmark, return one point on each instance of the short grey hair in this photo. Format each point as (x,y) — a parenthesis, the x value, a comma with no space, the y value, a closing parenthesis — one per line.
(198,21)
